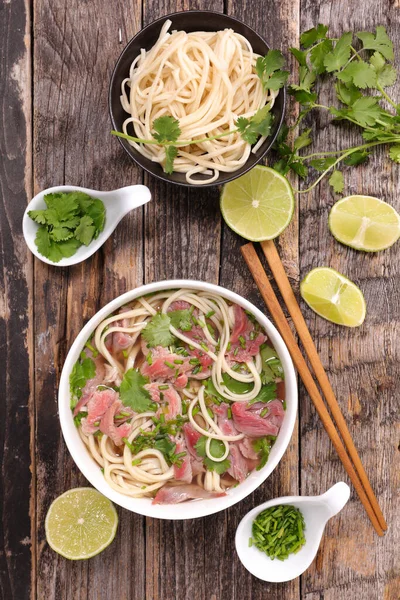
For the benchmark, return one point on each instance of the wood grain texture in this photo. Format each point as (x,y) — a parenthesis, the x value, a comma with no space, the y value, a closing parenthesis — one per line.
(76,46)
(16,382)
(362,363)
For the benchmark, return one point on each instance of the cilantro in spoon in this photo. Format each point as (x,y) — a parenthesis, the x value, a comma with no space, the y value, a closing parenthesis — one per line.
(70,220)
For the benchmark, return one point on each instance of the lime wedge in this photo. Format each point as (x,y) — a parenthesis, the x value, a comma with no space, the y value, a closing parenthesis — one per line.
(333,297)
(364,223)
(259,205)
(81,523)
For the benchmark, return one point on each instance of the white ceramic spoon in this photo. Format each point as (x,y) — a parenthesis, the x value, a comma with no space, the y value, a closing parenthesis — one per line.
(317,510)
(117,204)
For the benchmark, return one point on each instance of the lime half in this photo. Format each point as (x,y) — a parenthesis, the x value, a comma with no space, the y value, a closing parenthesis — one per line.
(259,205)
(364,223)
(334,297)
(81,523)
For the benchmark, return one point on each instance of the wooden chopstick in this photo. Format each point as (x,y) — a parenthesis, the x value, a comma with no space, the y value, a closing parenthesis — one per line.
(268,294)
(289,298)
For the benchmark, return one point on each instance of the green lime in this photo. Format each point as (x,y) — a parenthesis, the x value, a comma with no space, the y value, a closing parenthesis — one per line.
(81,523)
(333,296)
(364,223)
(259,205)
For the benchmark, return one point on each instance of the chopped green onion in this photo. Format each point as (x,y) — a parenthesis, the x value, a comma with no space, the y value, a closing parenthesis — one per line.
(242,341)
(203,345)
(92,349)
(264,412)
(252,335)
(149,359)
(201,323)
(229,412)
(178,361)
(279,531)
(194,361)
(195,321)
(210,314)
(168,364)
(163,387)
(136,462)
(196,410)
(228,347)
(236,350)
(197,370)
(125,353)
(191,309)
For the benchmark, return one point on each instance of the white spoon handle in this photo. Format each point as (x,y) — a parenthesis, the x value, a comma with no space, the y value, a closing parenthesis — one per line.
(336,497)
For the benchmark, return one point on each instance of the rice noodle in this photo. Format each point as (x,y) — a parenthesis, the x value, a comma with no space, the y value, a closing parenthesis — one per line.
(150,470)
(206,80)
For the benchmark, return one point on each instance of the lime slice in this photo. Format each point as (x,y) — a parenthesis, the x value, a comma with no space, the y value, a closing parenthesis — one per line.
(81,523)
(259,205)
(333,297)
(364,223)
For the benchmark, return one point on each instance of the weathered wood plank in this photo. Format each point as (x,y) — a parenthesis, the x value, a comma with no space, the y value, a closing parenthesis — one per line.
(363,364)
(76,46)
(182,240)
(279,26)
(16,380)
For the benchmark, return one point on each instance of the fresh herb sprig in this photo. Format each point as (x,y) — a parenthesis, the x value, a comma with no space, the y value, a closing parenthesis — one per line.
(70,220)
(354,72)
(166,129)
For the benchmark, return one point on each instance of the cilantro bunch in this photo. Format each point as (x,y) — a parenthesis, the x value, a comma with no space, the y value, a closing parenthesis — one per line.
(70,220)
(360,67)
(166,129)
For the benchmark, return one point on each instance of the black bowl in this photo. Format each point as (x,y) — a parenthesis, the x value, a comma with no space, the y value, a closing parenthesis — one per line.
(193,20)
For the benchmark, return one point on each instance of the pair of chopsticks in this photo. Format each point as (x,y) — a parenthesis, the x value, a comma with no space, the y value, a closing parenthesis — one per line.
(354,469)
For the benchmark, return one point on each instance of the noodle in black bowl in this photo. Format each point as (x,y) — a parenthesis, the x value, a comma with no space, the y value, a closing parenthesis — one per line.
(130,458)
(190,21)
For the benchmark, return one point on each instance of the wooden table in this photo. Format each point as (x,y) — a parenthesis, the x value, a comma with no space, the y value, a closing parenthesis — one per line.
(56,60)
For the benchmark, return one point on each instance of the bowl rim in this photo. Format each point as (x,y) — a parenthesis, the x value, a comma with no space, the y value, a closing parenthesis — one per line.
(197,508)
(130,151)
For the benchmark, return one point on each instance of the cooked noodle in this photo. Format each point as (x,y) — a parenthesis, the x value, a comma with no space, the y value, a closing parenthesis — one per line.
(149,470)
(206,80)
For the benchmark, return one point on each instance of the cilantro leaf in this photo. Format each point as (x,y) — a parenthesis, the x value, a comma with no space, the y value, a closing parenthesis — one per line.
(303,96)
(322,164)
(170,155)
(360,73)
(386,74)
(83,369)
(299,168)
(59,234)
(380,42)
(347,93)
(85,230)
(259,125)
(211,391)
(394,153)
(336,181)
(271,365)
(339,56)
(309,37)
(266,394)
(263,447)
(166,129)
(38,215)
(68,248)
(157,333)
(300,56)
(268,70)
(70,219)
(366,110)
(132,392)
(356,158)
(317,55)
(181,319)
(303,140)
(97,212)
(217,449)
(46,246)
(65,205)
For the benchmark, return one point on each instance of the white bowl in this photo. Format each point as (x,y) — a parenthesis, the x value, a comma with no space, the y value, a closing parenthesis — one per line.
(194,508)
